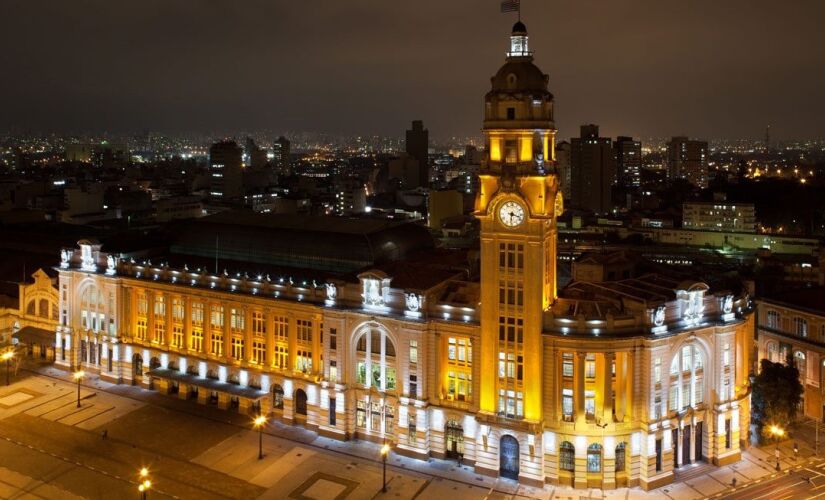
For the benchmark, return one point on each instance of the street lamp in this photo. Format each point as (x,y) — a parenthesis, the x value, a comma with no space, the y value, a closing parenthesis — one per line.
(259,423)
(7,358)
(777,432)
(78,375)
(385,450)
(145,482)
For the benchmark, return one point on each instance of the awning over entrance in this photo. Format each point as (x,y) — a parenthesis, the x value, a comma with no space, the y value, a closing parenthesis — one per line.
(34,335)
(208,383)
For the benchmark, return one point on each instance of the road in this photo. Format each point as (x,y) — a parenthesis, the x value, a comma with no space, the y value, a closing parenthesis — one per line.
(805,481)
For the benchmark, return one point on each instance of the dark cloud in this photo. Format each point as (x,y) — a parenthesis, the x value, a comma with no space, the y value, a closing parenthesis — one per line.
(644,67)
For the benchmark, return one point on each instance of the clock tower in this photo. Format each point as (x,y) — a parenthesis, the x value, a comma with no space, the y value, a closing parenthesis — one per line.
(517,205)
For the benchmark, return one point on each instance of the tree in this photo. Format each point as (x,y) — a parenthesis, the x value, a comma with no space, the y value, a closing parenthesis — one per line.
(777,393)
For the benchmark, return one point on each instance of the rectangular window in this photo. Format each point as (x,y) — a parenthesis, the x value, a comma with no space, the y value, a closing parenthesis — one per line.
(567,364)
(413,351)
(216,317)
(590,366)
(511,256)
(177,335)
(237,348)
(567,404)
(304,330)
(414,386)
(333,339)
(196,339)
(237,320)
(303,361)
(728,434)
(590,404)
(333,371)
(258,324)
(511,113)
(217,343)
(361,414)
(197,314)
(281,356)
(282,328)
(411,432)
(657,370)
(258,352)
(773,319)
(726,355)
(332,411)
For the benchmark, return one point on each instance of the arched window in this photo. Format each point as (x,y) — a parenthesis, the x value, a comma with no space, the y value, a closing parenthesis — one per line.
(30,308)
(567,456)
(799,362)
(620,457)
(43,311)
(91,308)
(375,361)
(686,378)
(594,458)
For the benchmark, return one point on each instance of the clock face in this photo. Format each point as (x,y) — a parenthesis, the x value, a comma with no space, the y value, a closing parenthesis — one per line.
(511,214)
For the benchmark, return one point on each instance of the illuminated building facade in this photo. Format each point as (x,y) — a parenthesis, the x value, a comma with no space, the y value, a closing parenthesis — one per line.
(606,383)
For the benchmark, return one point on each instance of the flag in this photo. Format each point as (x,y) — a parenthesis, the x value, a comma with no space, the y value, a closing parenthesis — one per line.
(510,6)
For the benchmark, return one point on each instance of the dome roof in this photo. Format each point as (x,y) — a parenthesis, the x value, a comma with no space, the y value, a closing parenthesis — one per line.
(520,74)
(519,28)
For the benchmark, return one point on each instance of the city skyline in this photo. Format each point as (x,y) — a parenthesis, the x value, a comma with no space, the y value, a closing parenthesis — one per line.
(369,68)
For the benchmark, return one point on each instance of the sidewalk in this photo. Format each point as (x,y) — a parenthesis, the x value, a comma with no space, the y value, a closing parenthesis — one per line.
(694,481)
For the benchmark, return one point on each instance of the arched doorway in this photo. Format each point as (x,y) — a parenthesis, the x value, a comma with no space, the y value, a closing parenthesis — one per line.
(300,402)
(454,439)
(509,457)
(137,368)
(277,397)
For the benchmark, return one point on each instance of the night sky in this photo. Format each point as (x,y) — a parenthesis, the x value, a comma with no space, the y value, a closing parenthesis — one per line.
(705,68)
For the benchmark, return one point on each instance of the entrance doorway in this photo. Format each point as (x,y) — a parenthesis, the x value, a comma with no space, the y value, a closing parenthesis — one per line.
(509,457)
(137,369)
(674,443)
(686,445)
(300,402)
(454,439)
(700,455)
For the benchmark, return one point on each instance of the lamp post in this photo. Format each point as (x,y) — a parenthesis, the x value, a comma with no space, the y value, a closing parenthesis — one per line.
(385,450)
(78,375)
(777,432)
(259,423)
(7,358)
(144,482)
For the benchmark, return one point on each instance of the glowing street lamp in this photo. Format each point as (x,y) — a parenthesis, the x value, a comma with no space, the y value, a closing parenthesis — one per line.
(259,423)
(7,358)
(385,450)
(777,432)
(78,375)
(145,483)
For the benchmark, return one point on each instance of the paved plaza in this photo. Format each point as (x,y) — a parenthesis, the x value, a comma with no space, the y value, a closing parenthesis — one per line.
(53,449)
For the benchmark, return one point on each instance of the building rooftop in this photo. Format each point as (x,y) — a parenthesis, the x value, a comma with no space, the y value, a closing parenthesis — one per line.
(809,299)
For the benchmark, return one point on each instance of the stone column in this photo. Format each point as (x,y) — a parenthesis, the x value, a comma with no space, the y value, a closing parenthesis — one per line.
(187,322)
(227,331)
(607,388)
(269,318)
(578,387)
(150,315)
(293,341)
(316,344)
(207,327)
(133,310)
(167,332)
(247,333)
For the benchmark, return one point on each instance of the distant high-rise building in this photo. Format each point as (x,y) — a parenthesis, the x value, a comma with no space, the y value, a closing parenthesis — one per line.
(592,169)
(255,156)
(628,153)
(350,197)
(417,146)
(280,151)
(688,159)
(563,168)
(225,171)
